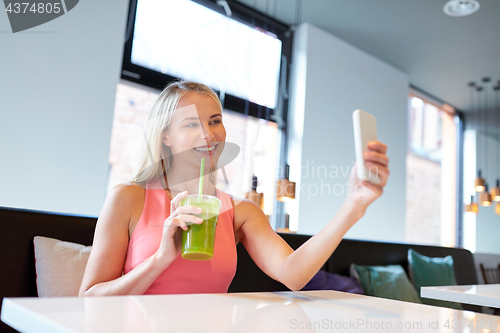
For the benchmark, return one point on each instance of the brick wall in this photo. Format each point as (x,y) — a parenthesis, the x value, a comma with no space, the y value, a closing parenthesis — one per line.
(423,201)
(132,107)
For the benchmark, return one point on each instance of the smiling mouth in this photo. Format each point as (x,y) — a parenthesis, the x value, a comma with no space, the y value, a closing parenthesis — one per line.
(206,149)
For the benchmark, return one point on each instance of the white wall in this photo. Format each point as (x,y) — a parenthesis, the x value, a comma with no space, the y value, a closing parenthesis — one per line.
(330,79)
(481,230)
(487,222)
(57,92)
(469,174)
(485,226)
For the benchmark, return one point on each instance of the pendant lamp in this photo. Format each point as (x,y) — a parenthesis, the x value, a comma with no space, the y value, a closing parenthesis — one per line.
(472,207)
(479,182)
(486,152)
(285,189)
(495,192)
(254,196)
(485,197)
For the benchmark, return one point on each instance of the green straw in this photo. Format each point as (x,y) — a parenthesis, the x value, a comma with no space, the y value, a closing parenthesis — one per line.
(202,167)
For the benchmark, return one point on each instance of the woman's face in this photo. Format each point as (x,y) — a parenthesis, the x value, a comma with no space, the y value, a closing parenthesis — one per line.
(196,130)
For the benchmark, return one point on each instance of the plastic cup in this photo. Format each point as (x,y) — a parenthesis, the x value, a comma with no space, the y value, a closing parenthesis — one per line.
(198,241)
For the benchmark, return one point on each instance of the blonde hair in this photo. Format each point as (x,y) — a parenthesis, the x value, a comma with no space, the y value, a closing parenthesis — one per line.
(154,151)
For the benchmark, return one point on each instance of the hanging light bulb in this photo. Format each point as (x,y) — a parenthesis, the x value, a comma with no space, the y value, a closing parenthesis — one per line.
(497,209)
(486,83)
(485,197)
(495,192)
(472,207)
(285,189)
(479,183)
(253,195)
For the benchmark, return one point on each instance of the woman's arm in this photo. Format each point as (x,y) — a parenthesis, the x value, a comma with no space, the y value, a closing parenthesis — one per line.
(295,268)
(275,257)
(103,274)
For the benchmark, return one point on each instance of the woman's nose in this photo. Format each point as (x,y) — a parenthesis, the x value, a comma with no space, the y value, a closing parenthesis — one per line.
(207,133)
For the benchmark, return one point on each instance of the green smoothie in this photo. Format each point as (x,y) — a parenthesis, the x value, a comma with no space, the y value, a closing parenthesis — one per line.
(198,241)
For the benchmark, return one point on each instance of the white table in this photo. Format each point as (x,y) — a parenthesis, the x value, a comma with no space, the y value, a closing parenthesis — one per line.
(313,311)
(483,295)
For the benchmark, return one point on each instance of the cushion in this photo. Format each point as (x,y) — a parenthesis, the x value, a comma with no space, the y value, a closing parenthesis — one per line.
(427,272)
(59,266)
(328,281)
(386,282)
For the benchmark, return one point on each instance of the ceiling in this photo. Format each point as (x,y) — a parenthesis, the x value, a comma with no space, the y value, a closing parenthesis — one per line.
(441,54)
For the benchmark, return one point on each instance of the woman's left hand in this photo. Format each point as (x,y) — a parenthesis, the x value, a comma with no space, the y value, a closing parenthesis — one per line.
(363,193)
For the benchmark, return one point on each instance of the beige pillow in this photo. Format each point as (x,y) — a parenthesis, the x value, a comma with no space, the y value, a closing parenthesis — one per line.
(59,266)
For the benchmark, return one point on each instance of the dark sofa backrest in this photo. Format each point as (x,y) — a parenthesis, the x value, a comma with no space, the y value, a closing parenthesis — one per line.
(19,227)
(18,276)
(250,278)
(378,253)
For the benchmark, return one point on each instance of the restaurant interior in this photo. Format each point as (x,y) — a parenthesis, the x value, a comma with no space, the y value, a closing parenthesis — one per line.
(76,92)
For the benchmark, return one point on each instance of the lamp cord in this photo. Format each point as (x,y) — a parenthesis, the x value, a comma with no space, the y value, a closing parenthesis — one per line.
(497,110)
(298,12)
(479,127)
(485,132)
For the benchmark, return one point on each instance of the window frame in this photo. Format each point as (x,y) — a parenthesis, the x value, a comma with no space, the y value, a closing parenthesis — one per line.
(459,234)
(243,14)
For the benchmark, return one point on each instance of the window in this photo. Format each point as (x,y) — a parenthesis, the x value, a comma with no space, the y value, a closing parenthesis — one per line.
(426,130)
(431,162)
(185,39)
(241,55)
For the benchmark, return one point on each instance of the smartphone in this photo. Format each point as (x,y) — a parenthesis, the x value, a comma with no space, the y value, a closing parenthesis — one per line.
(365,130)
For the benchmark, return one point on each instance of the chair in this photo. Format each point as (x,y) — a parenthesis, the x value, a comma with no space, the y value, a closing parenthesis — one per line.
(490,275)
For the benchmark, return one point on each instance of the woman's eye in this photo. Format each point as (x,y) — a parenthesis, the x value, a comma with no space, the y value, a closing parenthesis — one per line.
(192,125)
(217,122)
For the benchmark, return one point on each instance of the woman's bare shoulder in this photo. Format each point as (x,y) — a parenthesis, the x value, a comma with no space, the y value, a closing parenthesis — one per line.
(126,197)
(243,206)
(127,191)
(245,210)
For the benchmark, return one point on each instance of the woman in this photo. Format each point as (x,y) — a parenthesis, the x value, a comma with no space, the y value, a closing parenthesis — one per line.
(137,239)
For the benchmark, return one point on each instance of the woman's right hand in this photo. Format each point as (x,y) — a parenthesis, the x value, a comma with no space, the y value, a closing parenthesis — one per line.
(180,216)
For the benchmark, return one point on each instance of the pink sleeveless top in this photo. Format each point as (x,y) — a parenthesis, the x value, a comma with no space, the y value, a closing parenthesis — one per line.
(183,276)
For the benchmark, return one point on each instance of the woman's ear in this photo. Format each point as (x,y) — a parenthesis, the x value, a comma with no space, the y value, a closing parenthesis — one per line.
(165,140)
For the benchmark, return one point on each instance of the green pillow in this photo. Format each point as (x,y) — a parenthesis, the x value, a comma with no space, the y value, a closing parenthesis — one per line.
(427,272)
(386,282)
